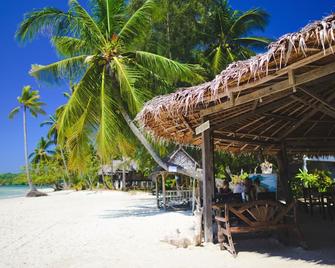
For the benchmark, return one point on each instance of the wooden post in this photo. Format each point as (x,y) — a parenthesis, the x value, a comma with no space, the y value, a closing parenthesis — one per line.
(163,189)
(283,166)
(157,191)
(208,182)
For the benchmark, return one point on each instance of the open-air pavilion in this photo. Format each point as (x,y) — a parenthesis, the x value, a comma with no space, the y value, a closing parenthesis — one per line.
(281,102)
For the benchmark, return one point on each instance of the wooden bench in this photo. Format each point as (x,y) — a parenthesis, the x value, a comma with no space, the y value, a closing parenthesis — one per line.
(256,216)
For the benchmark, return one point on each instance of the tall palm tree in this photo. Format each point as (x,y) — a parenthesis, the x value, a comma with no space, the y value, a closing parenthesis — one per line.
(101,51)
(41,152)
(229,30)
(52,136)
(28,101)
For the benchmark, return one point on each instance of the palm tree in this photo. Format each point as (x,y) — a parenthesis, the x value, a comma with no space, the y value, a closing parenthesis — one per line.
(228,32)
(28,101)
(41,152)
(52,135)
(101,50)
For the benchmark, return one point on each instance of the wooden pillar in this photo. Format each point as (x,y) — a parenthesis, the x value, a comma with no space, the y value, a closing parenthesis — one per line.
(283,166)
(208,182)
(157,191)
(163,189)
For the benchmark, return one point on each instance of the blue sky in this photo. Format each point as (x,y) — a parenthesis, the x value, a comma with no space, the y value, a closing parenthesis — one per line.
(286,16)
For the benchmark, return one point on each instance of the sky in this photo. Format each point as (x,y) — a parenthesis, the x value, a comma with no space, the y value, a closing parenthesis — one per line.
(285,16)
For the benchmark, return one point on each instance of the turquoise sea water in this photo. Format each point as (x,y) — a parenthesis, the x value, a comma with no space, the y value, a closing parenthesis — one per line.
(13,191)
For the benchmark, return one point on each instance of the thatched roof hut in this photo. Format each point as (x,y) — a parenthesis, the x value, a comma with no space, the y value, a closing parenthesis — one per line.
(283,95)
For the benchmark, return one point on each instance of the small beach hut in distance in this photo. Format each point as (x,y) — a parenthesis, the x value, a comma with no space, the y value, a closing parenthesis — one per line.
(281,102)
(127,170)
(185,191)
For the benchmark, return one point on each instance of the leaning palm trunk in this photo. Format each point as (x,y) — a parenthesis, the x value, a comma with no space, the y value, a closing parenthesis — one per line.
(66,185)
(30,182)
(151,150)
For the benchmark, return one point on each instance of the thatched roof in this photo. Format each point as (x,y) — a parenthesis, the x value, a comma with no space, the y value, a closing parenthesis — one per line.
(245,85)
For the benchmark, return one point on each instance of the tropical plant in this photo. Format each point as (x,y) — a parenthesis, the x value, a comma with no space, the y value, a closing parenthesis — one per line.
(28,101)
(41,152)
(52,135)
(227,34)
(101,51)
(307,179)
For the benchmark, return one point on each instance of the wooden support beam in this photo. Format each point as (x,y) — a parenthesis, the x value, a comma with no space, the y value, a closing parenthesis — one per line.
(164,190)
(283,166)
(243,140)
(187,125)
(316,109)
(208,182)
(319,99)
(291,79)
(248,114)
(275,88)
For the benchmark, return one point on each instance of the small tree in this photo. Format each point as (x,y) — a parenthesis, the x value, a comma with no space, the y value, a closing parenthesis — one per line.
(28,101)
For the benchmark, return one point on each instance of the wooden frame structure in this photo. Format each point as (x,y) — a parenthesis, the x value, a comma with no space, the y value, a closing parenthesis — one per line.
(280,102)
(256,216)
(179,158)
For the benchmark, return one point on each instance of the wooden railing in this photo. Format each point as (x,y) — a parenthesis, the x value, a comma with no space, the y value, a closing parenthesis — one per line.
(175,199)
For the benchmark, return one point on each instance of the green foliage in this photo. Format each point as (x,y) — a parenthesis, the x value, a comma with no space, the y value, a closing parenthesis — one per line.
(11,179)
(30,100)
(308,179)
(319,179)
(102,52)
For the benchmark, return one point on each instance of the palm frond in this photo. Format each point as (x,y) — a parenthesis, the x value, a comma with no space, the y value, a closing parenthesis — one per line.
(67,46)
(127,78)
(138,25)
(254,19)
(170,70)
(70,68)
(89,29)
(108,127)
(254,41)
(49,21)
(86,91)
(14,112)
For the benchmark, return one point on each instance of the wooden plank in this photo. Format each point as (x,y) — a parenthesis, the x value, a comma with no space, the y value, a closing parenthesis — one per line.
(186,123)
(248,114)
(203,127)
(275,88)
(318,98)
(243,140)
(164,190)
(208,182)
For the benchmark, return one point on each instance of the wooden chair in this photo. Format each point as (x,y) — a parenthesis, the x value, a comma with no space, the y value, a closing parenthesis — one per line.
(256,216)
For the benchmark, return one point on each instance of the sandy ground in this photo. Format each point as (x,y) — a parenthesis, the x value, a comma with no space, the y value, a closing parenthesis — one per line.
(115,229)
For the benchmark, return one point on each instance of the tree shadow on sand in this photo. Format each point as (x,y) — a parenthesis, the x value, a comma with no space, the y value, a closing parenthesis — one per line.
(145,210)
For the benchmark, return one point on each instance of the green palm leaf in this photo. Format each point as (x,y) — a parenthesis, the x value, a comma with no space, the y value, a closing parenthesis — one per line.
(70,68)
(170,70)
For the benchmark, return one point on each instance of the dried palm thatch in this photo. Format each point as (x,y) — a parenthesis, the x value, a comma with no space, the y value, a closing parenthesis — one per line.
(164,112)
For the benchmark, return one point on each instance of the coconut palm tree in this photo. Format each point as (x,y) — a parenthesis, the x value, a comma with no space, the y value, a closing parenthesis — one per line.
(102,52)
(42,152)
(228,32)
(28,101)
(52,136)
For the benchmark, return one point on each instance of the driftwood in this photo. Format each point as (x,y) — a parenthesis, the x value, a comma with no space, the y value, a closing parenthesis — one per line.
(257,216)
(35,193)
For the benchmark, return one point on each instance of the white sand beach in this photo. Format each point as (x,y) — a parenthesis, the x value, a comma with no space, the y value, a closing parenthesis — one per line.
(115,229)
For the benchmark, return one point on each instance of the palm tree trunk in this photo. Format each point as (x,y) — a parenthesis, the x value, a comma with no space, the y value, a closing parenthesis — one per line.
(150,149)
(65,166)
(123,174)
(30,182)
